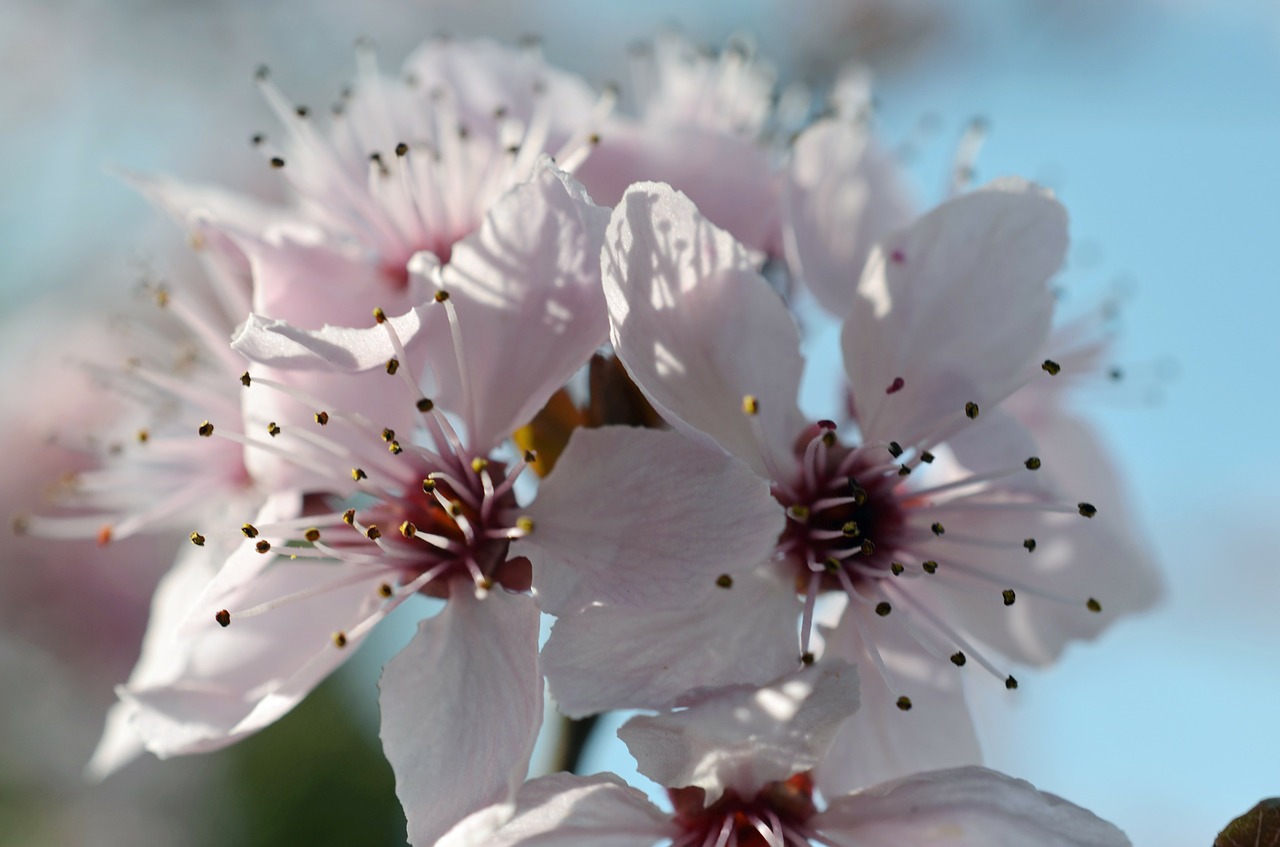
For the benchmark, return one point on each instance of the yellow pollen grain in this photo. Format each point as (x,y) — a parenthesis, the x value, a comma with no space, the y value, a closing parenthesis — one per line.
(750,405)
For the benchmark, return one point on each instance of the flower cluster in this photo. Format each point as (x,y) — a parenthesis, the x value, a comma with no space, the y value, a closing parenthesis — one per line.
(512,350)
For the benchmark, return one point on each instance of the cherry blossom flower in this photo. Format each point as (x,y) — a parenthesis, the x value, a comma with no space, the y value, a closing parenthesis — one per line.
(431,509)
(930,557)
(739,770)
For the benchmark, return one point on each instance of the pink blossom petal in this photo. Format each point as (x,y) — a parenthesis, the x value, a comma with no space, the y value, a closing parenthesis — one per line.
(563,810)
(461,707)
(881,741)
(956,306)
(526,287)
(645,519)
(278,343)
(842,195)
(743,738)
(965,807)
(614,658)
(698,329)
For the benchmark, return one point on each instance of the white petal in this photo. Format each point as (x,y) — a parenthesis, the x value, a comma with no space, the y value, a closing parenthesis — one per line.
(698,329)
(956,306)
(744,738)
(615,658)
(526,287)
(275,342)
(841,196)
(563,810)
(966,807)
(642,518)
(461,707)
(881,741)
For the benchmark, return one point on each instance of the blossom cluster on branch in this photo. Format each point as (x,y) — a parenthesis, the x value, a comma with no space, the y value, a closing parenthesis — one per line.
(517,348)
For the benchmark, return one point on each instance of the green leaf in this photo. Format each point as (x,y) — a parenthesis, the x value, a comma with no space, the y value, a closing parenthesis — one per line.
(1258,827)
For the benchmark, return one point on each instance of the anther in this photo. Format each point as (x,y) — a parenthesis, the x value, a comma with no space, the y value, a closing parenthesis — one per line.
(831,565)
(206,429)
(339,640)
(1093,605)
(301,111)
(261,73)
(104,535)
(904,703)
(829,438)
(930,567)
(750,405)
(895,449)
(408,530)
(249,530)
(1010,683)
(393,365)
(349,517)
(394,448)
(857,492)
(479,463)
(896,568)
(273,429)
(867,547)
(277,162)
(257,139)
(1030,544)
(1088,510)
(971,410)
(524,523)
(1051,367)
(312,535)
(724,581)
(223,618)
(322,418)
(372,532)
(245,379)
(196,539)
(378,315)
(428,486)
(385,590)
(263,546)
(455,509)
(402,149)
(426,405)
(798,512)
(904,470)
(937,528)
(927,457)
(958,659)
(883,609)
(441,296)
(806,658)
(388,434)
(1032,464)
(850,529)
(358,474)
(143,436)
(1116,374)
(1009,596)
(896,385)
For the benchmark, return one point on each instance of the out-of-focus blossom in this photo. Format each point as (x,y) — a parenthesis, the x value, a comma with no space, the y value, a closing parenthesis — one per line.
(931,558)
(739,769)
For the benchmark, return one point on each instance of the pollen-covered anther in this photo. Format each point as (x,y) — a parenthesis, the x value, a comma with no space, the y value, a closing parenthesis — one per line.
(479,463)
(426,404)
(930,567)
(349,517)
(857,492)
(850,529)
(322,418)
(402,149)
(1010,683)
(358,474)
(1051,367)
(1093,606)
(798,512)
(223,617)
(724,581)
(1009,596)
(249,530)
(904,703)
(441,296)
(868,547)
(339,639)
(388,435)
(937,528)
(372,532)
(750,405)
(312,535)
(408,530)
(393,365)
(428,486)
(143,436)
(897,568)
(958,659)
(277,162)
(273,429)
(831,565)
(971,410)
(385,590)
(394,448)
(245,379)
(1032,464)
(455,509)
(829,438)
(1088,510)
(205,430)
(883,609)
(197,539)
(807,658)
(1030,544)
(379,316)
(524,523)
(263,546)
